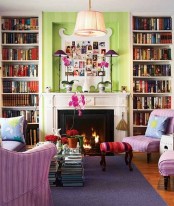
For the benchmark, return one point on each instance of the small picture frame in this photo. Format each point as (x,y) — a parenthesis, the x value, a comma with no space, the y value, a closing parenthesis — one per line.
(101,73)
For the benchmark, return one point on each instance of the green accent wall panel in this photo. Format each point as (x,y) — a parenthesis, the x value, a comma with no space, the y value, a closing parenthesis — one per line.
(119,22)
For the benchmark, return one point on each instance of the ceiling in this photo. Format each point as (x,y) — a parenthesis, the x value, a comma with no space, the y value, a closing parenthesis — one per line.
(78,5)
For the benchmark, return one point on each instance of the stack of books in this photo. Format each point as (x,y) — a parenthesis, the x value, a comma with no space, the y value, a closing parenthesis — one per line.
(53,172)
(72,171)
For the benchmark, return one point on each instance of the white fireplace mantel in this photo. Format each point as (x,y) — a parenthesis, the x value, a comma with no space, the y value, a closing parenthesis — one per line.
(59,101)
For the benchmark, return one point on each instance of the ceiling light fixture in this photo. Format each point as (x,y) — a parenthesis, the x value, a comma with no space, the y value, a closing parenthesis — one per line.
(90,23)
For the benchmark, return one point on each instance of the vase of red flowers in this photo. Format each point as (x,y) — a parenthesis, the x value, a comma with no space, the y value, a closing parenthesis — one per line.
(51,138)
(72,137)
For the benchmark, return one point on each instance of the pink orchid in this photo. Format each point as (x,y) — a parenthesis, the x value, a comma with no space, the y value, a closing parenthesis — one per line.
(104,64)
(66,61)
(78,103)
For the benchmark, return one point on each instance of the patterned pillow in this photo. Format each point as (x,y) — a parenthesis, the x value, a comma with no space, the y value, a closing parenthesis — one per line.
(156,126)
(12,129)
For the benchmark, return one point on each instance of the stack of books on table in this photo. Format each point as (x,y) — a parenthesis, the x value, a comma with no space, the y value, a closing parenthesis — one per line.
(72,171)
(53,172)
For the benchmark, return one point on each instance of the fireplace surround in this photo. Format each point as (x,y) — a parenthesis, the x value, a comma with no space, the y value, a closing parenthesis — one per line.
(56,102)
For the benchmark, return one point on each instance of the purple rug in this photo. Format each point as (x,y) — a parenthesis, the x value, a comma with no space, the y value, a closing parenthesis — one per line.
(116,186)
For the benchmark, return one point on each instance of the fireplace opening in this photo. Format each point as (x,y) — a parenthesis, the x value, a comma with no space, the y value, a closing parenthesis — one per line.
(95,126)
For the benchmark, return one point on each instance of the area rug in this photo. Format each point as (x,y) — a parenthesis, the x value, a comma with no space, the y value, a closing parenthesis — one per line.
(117,186)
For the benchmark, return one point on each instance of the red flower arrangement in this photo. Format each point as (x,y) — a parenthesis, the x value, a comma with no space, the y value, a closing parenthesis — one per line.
(51,138)
(72,132)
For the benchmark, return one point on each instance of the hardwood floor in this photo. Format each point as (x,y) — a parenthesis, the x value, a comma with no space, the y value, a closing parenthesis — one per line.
(150,172)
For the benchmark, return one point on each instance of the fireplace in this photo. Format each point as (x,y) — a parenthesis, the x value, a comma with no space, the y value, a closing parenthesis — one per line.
(115,103)
(95,126)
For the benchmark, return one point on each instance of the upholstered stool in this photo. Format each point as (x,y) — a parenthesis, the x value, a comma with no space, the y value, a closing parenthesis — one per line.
(166,166)
(116,148)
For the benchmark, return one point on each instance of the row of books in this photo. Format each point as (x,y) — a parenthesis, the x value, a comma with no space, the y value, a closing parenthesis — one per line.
(163,102)
(20,38)
(32,136)
(72,171)
(32,116)
(20,54)
(152,86)
(141,118)
(152,38)
(151,53)
(20,100)
(52,176)
(151,70)
(20,70)
(25,23)
(152,23)
(20,86)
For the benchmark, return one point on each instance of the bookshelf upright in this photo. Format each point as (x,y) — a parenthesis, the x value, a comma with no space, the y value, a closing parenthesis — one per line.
(152,67)
(20,63)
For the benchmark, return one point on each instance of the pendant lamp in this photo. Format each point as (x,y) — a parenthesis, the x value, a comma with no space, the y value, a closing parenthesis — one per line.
(90,23)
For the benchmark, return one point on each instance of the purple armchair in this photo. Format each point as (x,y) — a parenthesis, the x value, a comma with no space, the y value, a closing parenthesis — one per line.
(24,176)
(142,143)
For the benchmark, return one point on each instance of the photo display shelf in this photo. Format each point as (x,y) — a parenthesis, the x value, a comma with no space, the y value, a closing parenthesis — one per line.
(20,67)
(86,55)
(152,67)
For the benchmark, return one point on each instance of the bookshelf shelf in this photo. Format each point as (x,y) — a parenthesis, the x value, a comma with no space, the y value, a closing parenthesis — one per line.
(20,62)
(152,60)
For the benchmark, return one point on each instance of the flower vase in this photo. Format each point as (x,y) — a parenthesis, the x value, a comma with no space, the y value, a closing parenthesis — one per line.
(72,142)
(68,88)
(101,88)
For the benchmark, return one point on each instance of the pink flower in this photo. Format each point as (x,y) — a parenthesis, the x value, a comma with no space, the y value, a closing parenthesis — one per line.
(78,103)
(104,64)
(66,61)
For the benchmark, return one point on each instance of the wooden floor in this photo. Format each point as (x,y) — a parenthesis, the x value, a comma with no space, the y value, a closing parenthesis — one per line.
(150,172)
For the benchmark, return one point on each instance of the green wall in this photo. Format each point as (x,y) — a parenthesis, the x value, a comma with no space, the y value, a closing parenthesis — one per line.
(120,41)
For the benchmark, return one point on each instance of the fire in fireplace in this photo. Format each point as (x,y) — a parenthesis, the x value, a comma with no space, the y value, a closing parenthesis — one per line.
(95,126)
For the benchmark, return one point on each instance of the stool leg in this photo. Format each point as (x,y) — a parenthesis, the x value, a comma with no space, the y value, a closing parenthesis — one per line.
(103,161)
(166,178)
(128,159)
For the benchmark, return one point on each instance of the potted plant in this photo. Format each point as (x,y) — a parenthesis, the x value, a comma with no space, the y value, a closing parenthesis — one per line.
(72,136)
(68,84)
(102,85)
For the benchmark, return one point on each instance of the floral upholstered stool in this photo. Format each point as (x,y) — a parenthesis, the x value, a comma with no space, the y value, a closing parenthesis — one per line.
(116,148)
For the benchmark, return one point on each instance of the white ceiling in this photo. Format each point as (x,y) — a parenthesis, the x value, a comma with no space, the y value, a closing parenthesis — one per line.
(78,5)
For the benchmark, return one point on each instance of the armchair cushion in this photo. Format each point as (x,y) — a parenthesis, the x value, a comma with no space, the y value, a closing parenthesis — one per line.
(156,126)
(12,129)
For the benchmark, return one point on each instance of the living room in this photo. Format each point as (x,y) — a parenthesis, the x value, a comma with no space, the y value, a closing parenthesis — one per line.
(55,32)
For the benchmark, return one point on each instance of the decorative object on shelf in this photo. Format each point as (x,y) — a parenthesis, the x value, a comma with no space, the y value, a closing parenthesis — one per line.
(86,87)
(124,89)
(51,138)
(60,53)
(68,84)
(103,84)
(48,89)
(122,125)
(111,53)
(90,23)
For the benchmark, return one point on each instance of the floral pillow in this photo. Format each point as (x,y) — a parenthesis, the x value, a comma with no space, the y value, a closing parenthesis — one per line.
(12,129)
(156,126)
